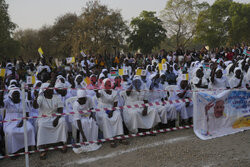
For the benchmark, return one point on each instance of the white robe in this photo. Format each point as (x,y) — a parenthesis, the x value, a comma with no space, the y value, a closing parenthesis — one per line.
(166,111)
(133,117)
(89,125)
(181,107)
(113,126)
(234,82)
(46,132)
(14,136)
(219,83)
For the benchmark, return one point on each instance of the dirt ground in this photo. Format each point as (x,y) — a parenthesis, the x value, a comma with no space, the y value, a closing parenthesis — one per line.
(173,149)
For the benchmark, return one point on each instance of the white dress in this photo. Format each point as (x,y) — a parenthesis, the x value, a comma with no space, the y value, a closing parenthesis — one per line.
(68,118)
(89,125)
(14,136)
(110,126)
(166,111)
(234,82)
(133,117)
(46,132)
(219,83)
(181,107)
(195,80)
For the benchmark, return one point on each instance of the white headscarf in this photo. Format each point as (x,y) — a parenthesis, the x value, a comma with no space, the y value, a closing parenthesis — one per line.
(36,83)
(13,89)
(44,87)
(13,81)
(104,82)
(82,84)
(237,68)
(60,85)
(81,94)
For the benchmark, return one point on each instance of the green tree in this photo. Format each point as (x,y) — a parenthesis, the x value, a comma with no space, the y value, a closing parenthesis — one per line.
(240,23)
(147,32)
(213,25)
(180,17)
(98,29)
(29,43)
(8,47)
(62,35)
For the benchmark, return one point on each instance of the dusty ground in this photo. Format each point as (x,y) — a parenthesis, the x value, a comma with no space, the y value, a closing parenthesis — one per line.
(174,149)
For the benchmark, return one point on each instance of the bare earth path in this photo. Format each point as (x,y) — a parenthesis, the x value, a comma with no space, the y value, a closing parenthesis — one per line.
(174,149)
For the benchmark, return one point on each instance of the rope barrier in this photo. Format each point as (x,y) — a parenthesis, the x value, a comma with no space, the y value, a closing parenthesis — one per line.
(147,90)
(103,109)
(102,140)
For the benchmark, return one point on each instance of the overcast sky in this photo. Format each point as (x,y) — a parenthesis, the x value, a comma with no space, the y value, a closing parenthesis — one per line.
(36,13)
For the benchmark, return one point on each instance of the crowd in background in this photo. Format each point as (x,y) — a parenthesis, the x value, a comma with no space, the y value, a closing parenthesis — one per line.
(108,81)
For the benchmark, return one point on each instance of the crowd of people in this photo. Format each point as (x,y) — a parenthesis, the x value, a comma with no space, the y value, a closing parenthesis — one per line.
(107,82)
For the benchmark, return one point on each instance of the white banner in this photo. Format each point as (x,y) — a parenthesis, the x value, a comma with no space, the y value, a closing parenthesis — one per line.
(219,114)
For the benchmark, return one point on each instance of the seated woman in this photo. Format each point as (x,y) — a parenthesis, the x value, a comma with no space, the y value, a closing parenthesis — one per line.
(185,108)
(237,80)
(85,123)
(218,81)
(50,130)
(14,131)
(157,93)
(199,81)
(138,118)
(109,121)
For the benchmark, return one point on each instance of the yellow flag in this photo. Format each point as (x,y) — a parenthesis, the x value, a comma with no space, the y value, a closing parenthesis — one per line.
(2,72)
(70,60)
(87,80)
(30,80)
(40,51)
(138,72)
(121,72)
(185,77)
(163,61)
(160,67)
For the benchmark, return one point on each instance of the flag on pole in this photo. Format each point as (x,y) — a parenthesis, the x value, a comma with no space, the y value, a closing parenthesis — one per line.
(2,72)
(160,67)
(31,80)
(185,77)
(40,51)
(83,54)
(121,73)
(114,73)
(87,80)
(206,66)
(70,60)
(138,71)
(246,52)
(163,61)
(143,73)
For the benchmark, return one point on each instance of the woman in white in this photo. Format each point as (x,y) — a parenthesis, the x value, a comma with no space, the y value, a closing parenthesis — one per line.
(14,131)
(142,117)
(181,92)
(199,81)
(62,91)
(50,130)
(157,94)
(85,123)
(237,80)
(34,94)
(109,121)
(218,80)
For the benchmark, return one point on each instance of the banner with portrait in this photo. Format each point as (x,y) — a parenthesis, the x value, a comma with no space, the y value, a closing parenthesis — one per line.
(218,114)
